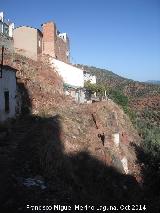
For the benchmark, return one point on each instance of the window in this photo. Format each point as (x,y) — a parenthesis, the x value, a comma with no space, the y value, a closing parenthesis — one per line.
(39,43)
(6,98)
(5,29)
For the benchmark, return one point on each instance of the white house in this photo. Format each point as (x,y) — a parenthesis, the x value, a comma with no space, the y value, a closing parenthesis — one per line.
(89,77)
(71,75)
(6,27)
(8,92)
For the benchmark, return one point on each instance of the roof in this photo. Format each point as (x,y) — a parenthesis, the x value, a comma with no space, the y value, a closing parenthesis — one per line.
(28,27)
(9,68)
(48,22)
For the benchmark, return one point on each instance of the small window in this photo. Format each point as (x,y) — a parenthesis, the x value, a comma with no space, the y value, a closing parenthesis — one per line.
(6,98)
(39,43)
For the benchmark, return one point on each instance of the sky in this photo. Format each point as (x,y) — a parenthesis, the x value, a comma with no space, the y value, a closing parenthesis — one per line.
(122,36)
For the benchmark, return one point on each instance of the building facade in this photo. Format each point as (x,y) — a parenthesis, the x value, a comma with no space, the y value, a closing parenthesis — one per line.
(72,77)
(6,33)
(31,42)
(88,77)
(8,93)
(28,41)
(55,44)
(6,27)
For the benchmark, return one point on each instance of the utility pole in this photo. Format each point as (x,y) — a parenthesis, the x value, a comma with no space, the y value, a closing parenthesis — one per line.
(2,62)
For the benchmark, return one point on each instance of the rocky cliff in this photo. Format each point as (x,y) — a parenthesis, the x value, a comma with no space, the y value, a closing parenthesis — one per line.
(59,152)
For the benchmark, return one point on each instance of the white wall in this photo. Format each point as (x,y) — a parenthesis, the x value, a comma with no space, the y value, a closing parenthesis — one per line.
(125,164)
(70,74)
(116,139)
(1,16)
(1,19)
(89,77)
(8,83)
(11,28)
(63,36)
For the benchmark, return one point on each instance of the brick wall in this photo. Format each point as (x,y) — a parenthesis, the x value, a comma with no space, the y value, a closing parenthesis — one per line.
(61,50)
(49,34)
(52,44)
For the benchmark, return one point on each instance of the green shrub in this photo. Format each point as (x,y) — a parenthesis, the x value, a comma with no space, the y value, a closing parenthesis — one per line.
(119,97)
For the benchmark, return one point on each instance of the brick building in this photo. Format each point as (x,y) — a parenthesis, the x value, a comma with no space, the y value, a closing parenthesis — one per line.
(31,42)
(55,44)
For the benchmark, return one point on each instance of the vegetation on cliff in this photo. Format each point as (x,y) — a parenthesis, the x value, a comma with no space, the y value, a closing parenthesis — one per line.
(141,101)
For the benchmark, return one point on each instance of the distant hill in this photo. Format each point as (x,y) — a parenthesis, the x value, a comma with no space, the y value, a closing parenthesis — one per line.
(132,89)
(153,82)
(106,76)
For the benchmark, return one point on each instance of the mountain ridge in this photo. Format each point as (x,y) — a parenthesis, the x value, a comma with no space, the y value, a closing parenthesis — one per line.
(153,81)
(132,89)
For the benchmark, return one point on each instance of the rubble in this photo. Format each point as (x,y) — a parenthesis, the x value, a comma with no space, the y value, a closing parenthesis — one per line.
(30,182)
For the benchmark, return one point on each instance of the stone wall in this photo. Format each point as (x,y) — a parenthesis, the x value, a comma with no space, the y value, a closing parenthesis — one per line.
(7,42)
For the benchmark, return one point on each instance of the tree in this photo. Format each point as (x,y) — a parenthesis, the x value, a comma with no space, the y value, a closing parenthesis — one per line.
(98,88)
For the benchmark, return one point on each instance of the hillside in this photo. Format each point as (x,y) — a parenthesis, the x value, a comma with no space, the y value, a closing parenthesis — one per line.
(129,87)
(33,78)
(141,101)
(53,153)
(106,76)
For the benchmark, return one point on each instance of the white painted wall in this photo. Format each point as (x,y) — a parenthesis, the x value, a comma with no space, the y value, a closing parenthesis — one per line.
(1,19)
(116,139)
(70,74)
(11,28)
(89,77)
(1,16)
(125,164)
(63,36)
(8,83)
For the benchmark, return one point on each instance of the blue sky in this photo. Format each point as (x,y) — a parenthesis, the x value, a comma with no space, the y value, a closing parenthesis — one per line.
(120,35)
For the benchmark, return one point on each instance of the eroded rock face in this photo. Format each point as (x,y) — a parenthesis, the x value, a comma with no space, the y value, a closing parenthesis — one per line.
(61,144)
(41,91)
(39,86)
